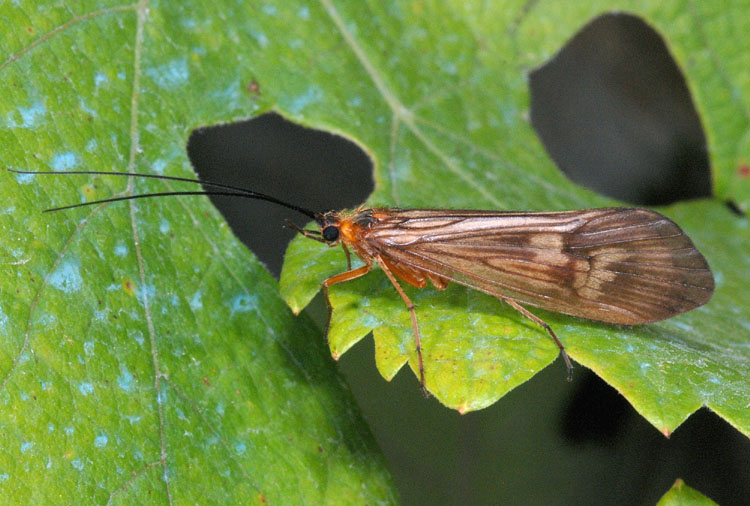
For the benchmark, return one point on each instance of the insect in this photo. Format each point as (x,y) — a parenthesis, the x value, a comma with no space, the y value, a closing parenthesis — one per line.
(617,265)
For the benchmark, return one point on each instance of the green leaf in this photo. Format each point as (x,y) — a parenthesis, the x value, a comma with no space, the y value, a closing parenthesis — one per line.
(682,495)
(146,356)
(445,118)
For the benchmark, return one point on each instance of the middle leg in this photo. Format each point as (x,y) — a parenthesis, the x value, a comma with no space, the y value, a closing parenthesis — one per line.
(414,324)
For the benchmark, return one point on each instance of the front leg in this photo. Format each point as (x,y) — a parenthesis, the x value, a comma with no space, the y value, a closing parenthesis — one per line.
(341,278)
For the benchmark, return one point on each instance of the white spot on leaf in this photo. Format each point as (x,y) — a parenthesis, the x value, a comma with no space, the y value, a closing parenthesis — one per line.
(86,388)
(196,303)
(121,249)
(100,79)
(312,95)
(170,75)
(30,116)
(244,303)
(101,441)
(67,276)
(64,161)
(125,379)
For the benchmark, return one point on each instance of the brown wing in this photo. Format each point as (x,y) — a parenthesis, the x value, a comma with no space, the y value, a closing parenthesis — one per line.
(617,265)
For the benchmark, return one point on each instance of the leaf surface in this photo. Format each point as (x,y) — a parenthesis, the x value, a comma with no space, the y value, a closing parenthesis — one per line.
(682,495)
(146,356)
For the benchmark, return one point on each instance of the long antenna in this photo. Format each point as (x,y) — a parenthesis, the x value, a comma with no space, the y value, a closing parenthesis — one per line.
(235,190)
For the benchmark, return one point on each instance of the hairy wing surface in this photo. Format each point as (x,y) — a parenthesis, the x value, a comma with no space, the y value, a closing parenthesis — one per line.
(617,265)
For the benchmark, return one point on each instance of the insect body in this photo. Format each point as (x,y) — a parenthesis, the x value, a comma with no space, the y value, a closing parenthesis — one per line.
(616,265)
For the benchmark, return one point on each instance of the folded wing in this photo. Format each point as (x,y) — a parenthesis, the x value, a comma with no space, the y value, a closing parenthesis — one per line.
(617,265)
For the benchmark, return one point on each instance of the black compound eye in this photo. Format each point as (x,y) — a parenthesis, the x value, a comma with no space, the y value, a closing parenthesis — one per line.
(330,233)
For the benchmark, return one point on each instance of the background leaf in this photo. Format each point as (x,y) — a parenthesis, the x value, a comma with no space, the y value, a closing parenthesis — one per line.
(451,131)
(682,495)
(146,355)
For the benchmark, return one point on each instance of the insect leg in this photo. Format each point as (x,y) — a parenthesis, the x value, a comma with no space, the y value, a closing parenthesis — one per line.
(340,278)
(415,326)
(348,257)
(531,316)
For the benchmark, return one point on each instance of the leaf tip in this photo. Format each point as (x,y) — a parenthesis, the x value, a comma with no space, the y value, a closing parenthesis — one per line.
(666,431)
